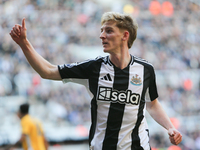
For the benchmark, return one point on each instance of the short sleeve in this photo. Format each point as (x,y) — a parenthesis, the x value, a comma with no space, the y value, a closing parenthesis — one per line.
(79,70)
(153,93)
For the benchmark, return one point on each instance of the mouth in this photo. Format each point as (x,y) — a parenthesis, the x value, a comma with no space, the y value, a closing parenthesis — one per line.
(104,43)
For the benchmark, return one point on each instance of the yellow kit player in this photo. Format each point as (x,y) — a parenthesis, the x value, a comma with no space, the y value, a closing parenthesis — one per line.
(32,137)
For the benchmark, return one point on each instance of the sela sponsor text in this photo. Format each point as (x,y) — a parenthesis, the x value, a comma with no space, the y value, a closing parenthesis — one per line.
(108,94)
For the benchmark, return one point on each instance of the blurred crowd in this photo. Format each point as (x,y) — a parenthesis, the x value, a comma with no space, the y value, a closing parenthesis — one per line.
(170,43)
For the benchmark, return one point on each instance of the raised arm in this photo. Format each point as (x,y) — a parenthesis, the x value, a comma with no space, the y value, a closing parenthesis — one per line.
(158,114)
(45,69)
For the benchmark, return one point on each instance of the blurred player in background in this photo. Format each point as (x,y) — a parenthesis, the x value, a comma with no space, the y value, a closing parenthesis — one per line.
(117,83)
(32,137)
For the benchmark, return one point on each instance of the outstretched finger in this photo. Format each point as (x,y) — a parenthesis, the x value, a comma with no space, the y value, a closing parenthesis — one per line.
(23,23)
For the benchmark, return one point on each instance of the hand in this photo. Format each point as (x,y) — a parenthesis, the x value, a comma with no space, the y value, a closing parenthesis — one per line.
(18,32)
(174,136)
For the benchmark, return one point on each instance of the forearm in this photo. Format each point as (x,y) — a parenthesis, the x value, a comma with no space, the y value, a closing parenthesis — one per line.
(159,115)
(38,63)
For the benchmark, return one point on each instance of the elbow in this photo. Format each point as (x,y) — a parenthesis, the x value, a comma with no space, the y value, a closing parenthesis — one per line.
(44,76)
(50,76)
(50,73)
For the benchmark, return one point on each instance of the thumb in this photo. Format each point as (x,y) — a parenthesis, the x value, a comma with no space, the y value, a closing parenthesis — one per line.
(171,133)
(23,23)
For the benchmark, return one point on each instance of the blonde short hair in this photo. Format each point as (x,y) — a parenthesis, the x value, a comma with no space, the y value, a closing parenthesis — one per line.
(123,21)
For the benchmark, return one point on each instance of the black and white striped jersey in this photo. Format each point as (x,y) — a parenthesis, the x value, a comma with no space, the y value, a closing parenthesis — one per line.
(118,101)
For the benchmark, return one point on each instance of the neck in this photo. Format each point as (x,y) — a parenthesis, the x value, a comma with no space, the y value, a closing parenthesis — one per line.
(22,115)
(120,60)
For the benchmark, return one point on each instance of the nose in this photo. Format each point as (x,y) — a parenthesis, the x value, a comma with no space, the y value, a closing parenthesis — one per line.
(102,35)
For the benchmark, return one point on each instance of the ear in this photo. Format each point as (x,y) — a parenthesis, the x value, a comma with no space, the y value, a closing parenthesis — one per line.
(125,35)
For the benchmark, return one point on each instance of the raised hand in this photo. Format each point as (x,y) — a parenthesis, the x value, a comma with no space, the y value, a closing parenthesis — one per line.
(18,32)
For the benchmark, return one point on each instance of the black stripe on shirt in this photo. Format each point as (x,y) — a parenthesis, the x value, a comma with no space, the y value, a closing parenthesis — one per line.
(93,86)
(135,137)
(116,111)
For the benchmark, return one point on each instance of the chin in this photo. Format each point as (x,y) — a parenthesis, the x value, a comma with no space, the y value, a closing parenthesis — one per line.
(105,51)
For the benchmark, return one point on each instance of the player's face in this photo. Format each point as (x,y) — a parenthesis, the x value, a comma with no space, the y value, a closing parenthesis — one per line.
(111,37)
(19,115)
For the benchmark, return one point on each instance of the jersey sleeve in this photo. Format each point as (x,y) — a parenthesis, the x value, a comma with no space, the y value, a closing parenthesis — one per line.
(153,93)
(75,71)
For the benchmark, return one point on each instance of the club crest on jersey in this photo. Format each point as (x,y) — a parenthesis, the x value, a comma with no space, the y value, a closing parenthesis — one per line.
(136,80)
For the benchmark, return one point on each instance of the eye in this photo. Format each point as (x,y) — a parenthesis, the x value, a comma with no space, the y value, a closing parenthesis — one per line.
(109,31)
